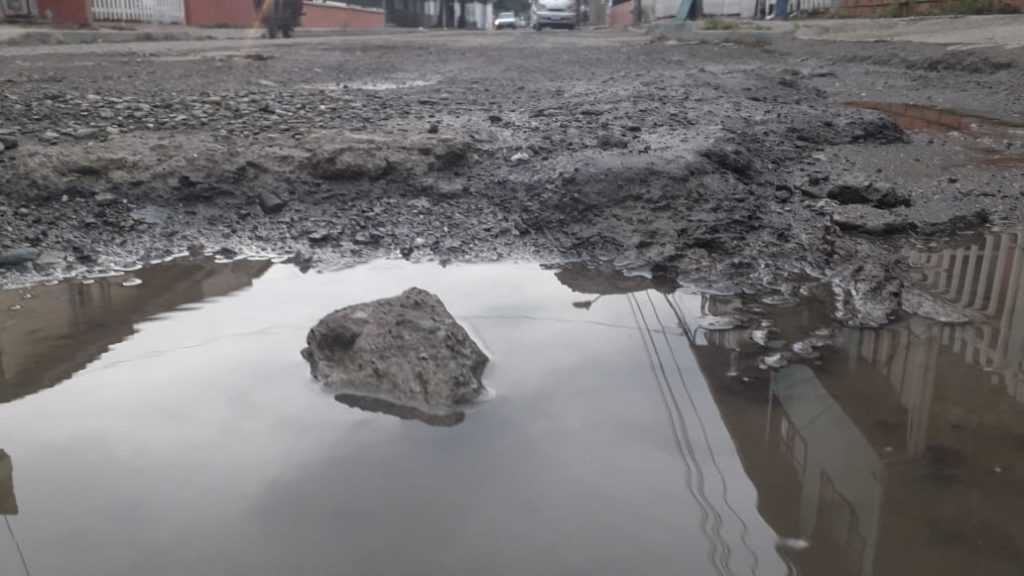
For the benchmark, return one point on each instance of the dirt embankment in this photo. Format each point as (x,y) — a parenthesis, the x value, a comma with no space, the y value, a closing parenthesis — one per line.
(715,163)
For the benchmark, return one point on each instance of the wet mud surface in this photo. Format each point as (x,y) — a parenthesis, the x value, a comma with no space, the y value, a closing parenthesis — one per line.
(639,425)
(728,164)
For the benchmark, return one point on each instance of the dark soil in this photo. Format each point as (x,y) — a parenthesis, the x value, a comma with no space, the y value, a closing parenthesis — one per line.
(723,164)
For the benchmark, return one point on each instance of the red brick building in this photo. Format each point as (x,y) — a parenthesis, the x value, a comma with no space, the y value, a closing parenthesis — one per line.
(231,13)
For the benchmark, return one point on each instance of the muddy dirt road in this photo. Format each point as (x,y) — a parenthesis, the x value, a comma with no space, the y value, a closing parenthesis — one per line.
(739,165)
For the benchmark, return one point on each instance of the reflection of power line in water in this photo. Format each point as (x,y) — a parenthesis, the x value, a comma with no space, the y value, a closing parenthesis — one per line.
(17,546)
(704,432)
(546,319)
(683,444)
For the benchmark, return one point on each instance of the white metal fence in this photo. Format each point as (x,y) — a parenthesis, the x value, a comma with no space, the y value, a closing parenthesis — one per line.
(163,11)
(813,6)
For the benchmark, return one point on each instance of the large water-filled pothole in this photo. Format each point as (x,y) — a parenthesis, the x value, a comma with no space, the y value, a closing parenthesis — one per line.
(171,427)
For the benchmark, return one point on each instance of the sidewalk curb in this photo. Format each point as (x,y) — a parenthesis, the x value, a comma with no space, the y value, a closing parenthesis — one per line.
(690,32)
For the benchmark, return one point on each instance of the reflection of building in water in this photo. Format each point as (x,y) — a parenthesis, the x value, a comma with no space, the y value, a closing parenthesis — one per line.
(819,478)
(65,327)
(732,531)
(8,504)
(839,472)
(12,560)
(902,453)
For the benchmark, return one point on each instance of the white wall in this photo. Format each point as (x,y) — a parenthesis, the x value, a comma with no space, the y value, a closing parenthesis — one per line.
(743,8)
(661,9)
(477,13)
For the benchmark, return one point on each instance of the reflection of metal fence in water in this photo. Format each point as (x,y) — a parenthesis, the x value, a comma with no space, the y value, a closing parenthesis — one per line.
(908,361)
(985,279)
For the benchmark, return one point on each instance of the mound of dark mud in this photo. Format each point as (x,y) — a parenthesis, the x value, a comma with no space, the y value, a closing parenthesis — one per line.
(724,165)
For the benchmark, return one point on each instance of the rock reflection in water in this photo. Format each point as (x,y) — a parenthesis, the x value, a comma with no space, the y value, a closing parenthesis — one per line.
(405,412)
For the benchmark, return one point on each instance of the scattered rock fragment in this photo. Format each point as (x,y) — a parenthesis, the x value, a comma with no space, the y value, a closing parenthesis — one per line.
(320,236)
(301,260)
(105,199)
(17,256)
(803,349)
(760,336)
(609,140)
(86,133)
(870,221)
(270,203)
(877,195)
(367,238)
(773,361)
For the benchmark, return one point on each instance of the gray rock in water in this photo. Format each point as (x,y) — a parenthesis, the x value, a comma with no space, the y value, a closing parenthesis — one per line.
(18,256)
(407,350)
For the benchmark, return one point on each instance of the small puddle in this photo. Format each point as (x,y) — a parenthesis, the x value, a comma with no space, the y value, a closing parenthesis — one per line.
(374,86)
(174,422)
(934,119)
(1003,138)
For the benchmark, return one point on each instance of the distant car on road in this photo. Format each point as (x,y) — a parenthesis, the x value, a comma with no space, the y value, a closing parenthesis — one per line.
(506,20)
(553,14)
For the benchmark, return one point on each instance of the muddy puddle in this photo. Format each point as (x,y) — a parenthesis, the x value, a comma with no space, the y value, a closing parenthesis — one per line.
(999,141)
(170,427)
(375,86)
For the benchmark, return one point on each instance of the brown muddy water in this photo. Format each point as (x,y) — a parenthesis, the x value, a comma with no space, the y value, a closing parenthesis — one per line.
(170,427)
(997,141)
